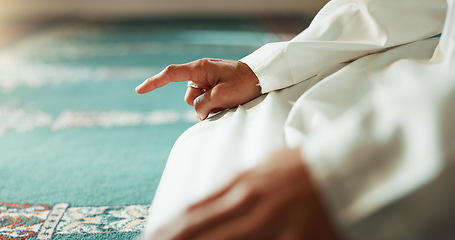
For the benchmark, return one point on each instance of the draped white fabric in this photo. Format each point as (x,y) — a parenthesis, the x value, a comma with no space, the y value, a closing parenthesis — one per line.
(342,31)
(370,101)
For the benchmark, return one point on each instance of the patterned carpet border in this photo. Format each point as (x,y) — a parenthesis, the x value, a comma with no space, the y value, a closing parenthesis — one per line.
(22,221)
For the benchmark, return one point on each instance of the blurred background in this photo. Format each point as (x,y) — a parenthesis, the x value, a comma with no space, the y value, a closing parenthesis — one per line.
(19,15)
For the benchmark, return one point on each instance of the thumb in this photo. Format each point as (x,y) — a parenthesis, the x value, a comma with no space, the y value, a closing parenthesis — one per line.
(204,104)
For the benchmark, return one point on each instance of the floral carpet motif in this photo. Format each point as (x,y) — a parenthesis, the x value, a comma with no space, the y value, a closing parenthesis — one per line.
(22,221)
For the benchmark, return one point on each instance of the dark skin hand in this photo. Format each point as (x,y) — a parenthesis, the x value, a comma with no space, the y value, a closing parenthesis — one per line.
(225,84)
(274,200)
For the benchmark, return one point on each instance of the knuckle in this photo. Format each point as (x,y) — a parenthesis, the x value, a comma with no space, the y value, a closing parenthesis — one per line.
(198,69)
(221,96)
(203,63)
(204,60)
(170,68)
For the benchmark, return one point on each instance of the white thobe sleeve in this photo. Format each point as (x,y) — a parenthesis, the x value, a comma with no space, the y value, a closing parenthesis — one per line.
(342,31)
(397,140)
(386,167)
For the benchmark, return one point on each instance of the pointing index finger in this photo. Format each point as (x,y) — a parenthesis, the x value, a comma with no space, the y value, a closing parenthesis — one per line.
(172,73)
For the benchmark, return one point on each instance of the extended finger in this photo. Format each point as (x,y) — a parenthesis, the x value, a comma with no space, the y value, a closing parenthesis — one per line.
(178,228)
(254,223)
(172,73)
(218,194)
(231,205)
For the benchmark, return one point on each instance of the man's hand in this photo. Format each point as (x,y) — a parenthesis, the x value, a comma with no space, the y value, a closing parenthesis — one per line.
(223,84)
(275,200)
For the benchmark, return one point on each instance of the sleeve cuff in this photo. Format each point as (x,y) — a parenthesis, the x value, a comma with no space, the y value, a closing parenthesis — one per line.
(270,66)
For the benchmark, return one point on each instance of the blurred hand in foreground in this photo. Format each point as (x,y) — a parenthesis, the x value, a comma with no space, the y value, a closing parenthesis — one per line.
(275,200)
(222,84)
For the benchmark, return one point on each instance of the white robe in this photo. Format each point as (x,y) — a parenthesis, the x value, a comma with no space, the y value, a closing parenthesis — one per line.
(369,100)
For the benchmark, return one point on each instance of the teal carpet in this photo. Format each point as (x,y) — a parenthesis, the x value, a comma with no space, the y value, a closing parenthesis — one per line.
(81,153)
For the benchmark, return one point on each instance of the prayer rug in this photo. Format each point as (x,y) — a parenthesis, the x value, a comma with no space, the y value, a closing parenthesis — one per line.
(81,153)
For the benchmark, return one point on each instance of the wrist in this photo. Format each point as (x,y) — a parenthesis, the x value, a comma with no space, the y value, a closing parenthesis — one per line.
(252,80)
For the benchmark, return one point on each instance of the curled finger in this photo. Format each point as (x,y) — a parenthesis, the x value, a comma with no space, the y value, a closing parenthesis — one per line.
(192,93)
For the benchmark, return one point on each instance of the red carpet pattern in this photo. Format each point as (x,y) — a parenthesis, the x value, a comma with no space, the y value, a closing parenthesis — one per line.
(22,221)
